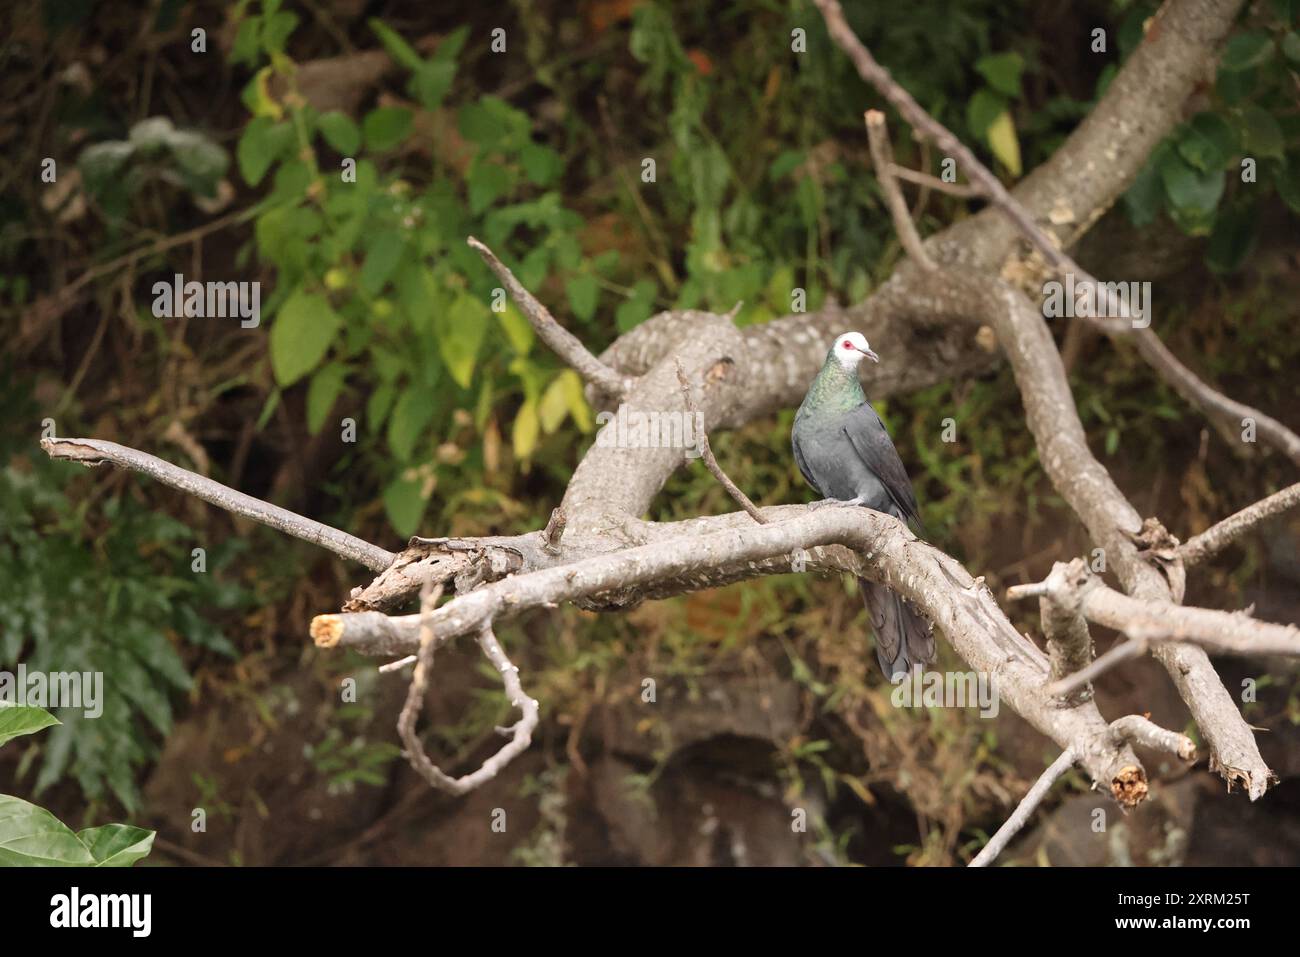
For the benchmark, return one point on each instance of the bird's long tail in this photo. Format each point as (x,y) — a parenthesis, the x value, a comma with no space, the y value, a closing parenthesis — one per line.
(903,637)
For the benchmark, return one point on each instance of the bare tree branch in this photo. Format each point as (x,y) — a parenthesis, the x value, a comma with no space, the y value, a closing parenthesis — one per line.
(1215,539)
(1149,622)
(91,452)
(710,460)
(1069,643)
(883,160)
(1024,810)
(1130,729)
(1225,410)
(960,190)
(1135,729)
(562,342)
(520,733)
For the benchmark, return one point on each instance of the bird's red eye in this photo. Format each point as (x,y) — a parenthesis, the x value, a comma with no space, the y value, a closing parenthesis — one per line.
(847,344)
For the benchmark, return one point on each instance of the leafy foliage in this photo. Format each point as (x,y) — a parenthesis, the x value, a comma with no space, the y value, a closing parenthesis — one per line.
(119,603)
(31,836)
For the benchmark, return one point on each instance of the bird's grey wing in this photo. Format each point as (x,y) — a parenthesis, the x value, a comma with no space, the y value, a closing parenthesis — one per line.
(803,463)
(870,439)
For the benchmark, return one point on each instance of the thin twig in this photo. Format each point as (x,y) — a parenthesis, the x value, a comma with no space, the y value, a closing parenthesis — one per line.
(883,160)
(562,342)
(92,452)
(520,733)
(961,190)
(706,451)
(1020,816)
(1122,652)
(1217,537)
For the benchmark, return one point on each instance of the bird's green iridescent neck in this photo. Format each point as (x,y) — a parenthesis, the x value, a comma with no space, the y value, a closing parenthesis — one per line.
(836,389)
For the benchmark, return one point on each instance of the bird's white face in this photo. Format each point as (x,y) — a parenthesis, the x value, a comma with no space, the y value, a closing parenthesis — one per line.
(851,348)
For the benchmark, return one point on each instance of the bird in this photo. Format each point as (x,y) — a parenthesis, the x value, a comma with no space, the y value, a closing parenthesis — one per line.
(845,453)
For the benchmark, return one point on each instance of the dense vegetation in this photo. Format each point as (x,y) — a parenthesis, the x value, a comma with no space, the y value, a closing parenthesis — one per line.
(229,163)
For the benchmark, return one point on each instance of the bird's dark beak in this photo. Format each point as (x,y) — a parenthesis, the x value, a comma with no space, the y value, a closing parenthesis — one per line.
(870,354)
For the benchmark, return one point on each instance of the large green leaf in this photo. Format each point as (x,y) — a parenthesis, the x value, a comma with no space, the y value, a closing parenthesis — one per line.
(17,720)
(301,335)
(262,142)
(31,836)
(1002,70)
(325,387)
(405,503)
(1190,189)
(1246,50)
(460,333)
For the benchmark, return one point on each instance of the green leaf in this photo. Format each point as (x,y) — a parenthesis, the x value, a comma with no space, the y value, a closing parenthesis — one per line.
(276,29)
(493,123)
(460,332)
(526,431)
(31,836)
(1207,142)
(518,330)
(1188,189)
(405,505)
(202,162)
(401,51)
(301,334)
(323,391)
(541,163)
(638,307)
(1002,71)
(1262,135)
(487,181)
(382,256)
(1003,142)
(576,397)
(554,405)
(116,845)
(431,83)
(340,132)
(1232,239)
(260,145)
(584,295)
(1246,50)
(17,720)
(1287,181)
(102,164)
(1291,46)
(984,107)
(386,127)
(1146,197)
(414,410)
